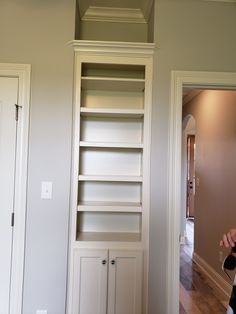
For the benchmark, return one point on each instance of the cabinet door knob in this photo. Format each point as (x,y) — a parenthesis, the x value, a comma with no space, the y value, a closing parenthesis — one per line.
(104,262)
(113,262)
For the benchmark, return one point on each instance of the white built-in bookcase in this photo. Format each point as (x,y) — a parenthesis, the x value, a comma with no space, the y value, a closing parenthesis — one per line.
(111,149)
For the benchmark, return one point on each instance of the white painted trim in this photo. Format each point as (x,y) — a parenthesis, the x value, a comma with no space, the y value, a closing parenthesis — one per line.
(183,239)
(179,79)
(115,47)
(113,14)
(22,72)
(112,53)
(232,1)
(212,275)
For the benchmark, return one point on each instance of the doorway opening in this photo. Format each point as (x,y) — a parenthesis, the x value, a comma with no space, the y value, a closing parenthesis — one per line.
(188,182)
(188,177)
(215,114)
(180,80)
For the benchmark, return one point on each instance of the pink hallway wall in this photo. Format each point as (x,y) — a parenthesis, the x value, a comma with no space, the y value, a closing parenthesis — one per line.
(215,198)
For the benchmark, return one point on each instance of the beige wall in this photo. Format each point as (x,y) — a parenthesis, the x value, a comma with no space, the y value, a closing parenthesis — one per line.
(113,31)
(150,37)
(215,198)
(37,32)
(92,30)
(190,35)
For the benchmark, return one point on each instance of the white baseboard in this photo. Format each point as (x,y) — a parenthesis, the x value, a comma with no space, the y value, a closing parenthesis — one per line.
(182,238)
(212,275)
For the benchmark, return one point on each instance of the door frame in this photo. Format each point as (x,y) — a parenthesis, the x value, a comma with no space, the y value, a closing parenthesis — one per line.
(180,79)
(22,72)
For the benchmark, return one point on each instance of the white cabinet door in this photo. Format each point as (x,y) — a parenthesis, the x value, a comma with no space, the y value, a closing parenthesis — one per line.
(94,272)
(125,282)
(90,282)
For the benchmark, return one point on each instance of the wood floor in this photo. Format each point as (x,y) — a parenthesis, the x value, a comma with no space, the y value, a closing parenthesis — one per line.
(197,295)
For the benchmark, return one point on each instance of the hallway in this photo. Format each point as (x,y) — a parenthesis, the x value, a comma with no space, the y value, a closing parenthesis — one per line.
(197,295)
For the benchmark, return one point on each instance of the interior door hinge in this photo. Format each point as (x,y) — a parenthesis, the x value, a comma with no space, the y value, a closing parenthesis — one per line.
(17,111)
(12,219)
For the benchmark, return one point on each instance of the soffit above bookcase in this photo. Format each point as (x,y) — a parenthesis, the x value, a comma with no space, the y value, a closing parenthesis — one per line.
(123,11)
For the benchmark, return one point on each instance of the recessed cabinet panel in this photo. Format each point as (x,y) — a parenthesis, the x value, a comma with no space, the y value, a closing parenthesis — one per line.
(109,222)
(112,99)
(110,192)
(102,129)
(112,84)
(125,282)
(107,281)
(98,161)
(103,69)
(90,282)
(108,237)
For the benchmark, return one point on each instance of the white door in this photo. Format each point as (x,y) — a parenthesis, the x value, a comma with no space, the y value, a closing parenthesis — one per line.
(8,99)
(125,282)
(90,282)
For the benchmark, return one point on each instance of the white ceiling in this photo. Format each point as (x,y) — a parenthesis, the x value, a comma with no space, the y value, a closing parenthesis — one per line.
(98,9)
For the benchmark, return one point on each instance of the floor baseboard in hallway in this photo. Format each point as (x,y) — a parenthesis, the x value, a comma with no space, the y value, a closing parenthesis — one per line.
(197,295)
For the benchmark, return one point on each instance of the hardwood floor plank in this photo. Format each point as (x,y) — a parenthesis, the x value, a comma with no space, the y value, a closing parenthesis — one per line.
(181,309)
(197,294)
(187,298)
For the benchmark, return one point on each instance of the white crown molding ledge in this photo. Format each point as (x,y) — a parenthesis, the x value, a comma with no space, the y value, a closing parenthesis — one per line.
(232,1)
(118,15)
(118,48)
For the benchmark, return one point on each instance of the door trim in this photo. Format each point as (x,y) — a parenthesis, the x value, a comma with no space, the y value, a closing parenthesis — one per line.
(179,79)
(22,72)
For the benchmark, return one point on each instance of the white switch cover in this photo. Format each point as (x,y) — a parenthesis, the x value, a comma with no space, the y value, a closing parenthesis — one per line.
(46,190)
(41,312)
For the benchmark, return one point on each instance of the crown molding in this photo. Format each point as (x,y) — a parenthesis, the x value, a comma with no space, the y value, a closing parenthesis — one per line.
(232,1)
(117,48)
(118,15)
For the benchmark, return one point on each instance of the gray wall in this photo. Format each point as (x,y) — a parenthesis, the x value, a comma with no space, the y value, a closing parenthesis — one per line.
(37,32)
(190,35)
(215,198)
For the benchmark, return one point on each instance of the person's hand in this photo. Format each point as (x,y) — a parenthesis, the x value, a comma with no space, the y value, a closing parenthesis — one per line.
(229,239)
